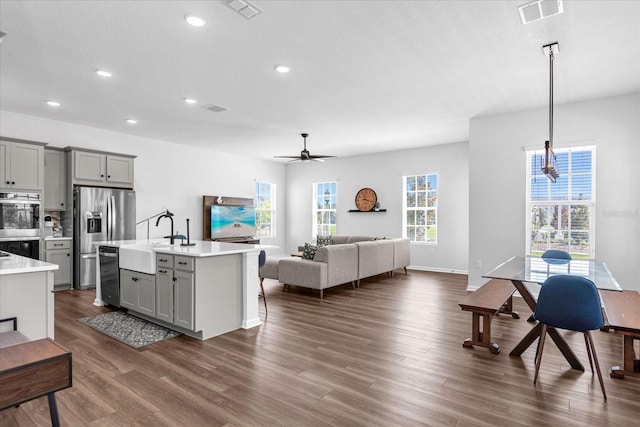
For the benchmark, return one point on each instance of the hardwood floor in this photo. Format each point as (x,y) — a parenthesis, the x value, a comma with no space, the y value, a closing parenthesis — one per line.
(387,354)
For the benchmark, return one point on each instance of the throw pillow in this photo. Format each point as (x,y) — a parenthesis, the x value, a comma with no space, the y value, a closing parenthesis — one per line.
(309,251)
(324,241)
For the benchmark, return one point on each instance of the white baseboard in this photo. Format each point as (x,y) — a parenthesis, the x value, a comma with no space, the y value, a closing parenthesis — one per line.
(437,270)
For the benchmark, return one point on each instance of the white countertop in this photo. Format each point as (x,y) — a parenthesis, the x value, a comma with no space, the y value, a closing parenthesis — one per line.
(57,238)
(15,264)
(202,248)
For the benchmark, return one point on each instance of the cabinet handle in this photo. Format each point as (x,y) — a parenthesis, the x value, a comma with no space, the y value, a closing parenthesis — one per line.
(175,278)
(57,244)
(101,175)
(108,176)
(13,183)
(162,260)
(68,254)
(162,271)
(182,263)
(61,204)
(8,182)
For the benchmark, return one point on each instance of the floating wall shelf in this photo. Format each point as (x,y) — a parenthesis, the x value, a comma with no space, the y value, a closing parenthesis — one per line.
(356,210)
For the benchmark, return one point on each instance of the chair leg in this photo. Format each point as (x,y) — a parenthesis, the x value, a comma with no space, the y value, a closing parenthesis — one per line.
(586,341)
(264,296)
(543,334)
(595,361)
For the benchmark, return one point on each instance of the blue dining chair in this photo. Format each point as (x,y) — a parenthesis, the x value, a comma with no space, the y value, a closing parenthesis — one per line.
(556,256)
(572,303)
(262,259)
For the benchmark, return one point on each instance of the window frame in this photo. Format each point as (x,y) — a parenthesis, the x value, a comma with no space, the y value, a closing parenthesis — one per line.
(430,212)
(331,211)
(260,209)
(569,203)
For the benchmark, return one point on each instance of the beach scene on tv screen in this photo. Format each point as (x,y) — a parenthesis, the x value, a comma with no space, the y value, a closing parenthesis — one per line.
(232,221)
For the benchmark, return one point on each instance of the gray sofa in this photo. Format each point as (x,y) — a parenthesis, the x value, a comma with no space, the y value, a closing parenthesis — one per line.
(348,259)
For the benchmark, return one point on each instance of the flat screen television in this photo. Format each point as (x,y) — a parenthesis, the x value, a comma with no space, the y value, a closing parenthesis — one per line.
(232,221)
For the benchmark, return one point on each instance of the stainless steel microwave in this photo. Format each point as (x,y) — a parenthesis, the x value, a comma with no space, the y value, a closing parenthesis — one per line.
(19,215)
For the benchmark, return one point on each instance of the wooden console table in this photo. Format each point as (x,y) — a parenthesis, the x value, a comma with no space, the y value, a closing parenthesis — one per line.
(33,369)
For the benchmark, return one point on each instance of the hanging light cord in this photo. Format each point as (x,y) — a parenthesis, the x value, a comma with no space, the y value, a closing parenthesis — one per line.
(551,97)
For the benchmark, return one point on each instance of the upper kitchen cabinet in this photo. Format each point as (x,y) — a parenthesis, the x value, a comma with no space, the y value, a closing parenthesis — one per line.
(100,168)
(55,173)
(21,165)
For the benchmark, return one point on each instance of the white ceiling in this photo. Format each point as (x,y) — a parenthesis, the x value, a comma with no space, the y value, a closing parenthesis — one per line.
(366,76)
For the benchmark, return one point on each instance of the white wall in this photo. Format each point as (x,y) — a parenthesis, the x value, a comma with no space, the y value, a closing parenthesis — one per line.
(497,181)
(166,174)
(383,172)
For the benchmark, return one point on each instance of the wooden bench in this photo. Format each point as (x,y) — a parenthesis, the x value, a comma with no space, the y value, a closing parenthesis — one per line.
(623,316)
(492,298)
(32,369)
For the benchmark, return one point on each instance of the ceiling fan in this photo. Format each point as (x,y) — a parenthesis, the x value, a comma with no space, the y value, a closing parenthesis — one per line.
(305,156)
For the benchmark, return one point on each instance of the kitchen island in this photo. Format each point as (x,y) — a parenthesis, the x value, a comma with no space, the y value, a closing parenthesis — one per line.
(203,290)
(26,292)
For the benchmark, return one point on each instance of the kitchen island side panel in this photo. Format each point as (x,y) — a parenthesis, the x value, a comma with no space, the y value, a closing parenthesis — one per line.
(29,297)
(218,294)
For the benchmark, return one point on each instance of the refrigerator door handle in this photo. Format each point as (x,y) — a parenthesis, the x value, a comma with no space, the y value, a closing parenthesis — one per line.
(112,206)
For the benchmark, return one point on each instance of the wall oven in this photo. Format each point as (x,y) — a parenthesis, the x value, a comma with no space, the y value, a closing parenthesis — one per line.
(20,223)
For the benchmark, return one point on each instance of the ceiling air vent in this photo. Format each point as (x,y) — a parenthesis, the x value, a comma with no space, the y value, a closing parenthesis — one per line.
(214,108)
(538,10)
(244,8)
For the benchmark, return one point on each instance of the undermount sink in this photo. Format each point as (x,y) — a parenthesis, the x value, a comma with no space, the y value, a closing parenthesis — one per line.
(140,257)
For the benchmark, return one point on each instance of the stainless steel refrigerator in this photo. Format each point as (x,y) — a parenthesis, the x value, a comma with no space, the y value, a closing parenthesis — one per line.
(99,214)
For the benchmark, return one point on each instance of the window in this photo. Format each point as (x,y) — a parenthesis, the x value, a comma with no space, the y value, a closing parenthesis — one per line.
(561,215)
(324,208)
(420,208)
(265,203)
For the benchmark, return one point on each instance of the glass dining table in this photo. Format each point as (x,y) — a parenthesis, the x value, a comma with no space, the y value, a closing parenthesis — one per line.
(531,269)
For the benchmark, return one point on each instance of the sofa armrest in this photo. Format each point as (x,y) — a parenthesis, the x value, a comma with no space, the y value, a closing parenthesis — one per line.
(341,261)
(303,272)
(401,252)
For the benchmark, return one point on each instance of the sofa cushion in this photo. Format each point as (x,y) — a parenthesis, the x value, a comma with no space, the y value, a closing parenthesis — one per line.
(309,251)
(323,241)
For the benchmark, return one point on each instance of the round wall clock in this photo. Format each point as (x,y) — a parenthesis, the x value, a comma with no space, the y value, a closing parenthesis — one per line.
(366,199)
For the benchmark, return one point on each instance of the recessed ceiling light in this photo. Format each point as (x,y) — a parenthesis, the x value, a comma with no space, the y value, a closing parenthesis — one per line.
(190,100)
(53,103)
(132,121)
(194,20)
(103,73)
(282,68)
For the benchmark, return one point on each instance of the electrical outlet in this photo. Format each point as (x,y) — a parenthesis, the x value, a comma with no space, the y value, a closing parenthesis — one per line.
(432,251)
(478,264)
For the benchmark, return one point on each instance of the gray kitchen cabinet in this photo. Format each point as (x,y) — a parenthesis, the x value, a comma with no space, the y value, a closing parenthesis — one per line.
(59,252)
(55,172)
(138,292)
(175,281)
(164,294)
(21,165)
(100,168)
(183,299)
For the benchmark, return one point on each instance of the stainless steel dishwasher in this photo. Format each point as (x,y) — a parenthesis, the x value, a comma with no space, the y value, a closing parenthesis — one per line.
(109,275)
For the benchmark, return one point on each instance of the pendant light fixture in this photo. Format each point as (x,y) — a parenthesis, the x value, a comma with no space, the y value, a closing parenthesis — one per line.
(549,165)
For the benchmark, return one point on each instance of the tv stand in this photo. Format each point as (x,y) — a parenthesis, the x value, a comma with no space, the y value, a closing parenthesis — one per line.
(249,239)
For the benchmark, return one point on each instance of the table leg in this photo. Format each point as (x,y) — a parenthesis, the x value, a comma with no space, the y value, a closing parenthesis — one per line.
(564,348)
(525,342)
(534,333)
(53,410)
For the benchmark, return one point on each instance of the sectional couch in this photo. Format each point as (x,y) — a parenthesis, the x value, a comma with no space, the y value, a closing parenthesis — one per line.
(347,259)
